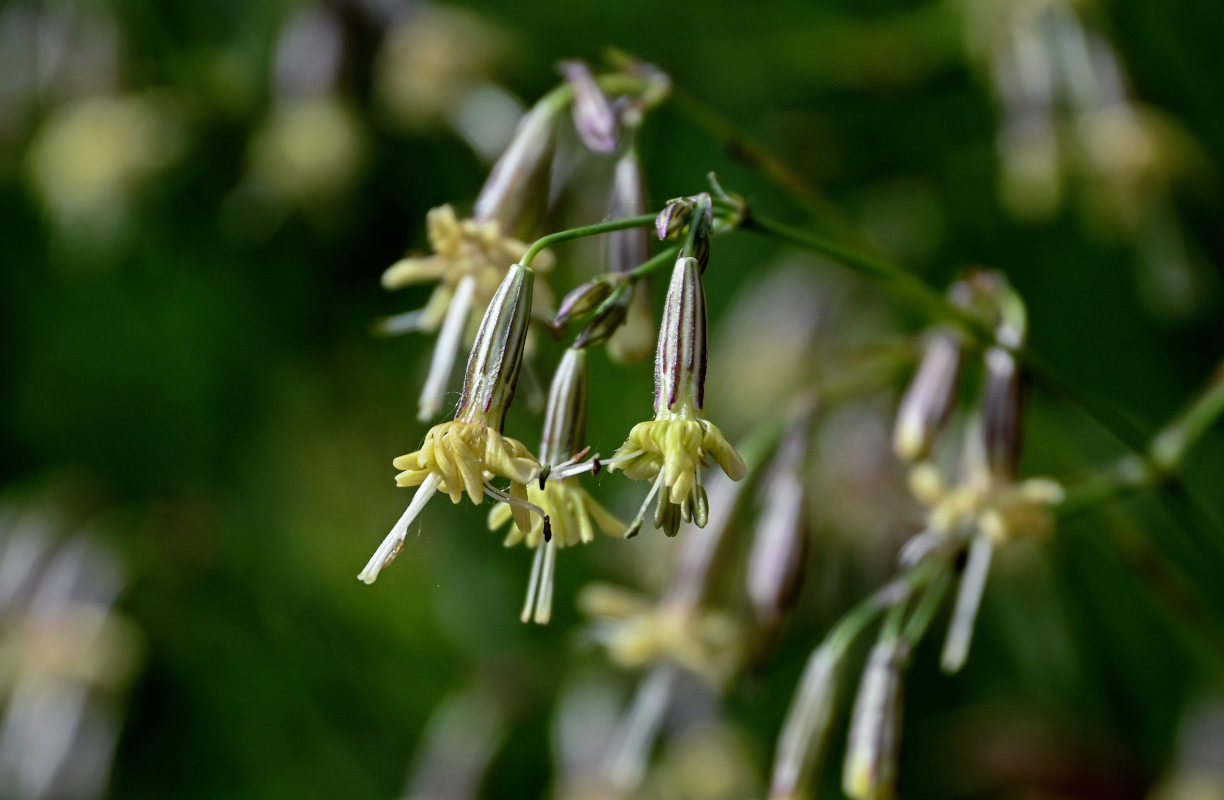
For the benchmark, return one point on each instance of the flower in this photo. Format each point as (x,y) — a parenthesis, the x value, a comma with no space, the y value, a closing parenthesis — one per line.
(570,514)
(671,448)
(470,255)
(998,507)
(637,633)
(570,518)
(464,455)
(468,262)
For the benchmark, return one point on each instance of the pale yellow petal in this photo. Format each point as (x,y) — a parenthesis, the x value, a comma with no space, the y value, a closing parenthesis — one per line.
(417,269)
(603,518)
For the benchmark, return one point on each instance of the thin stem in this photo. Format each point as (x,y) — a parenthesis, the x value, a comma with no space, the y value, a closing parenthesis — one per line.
(892,595)
(655,263)
(1160,461)
(1170,445)
(642,221)
(904,283)
(743,147)
(918,623)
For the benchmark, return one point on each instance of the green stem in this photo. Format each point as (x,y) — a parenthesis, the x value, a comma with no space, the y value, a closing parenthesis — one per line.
(878,268)
(936,305)
(657,261)
(924,613)
(610,226)
(891,597)
(1170,445)
(1160,461)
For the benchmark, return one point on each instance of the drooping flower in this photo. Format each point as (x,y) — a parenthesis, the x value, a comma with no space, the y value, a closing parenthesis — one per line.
(671,449)
(470,255)
(638,632)
(571,513)
(466,454)
(469,262)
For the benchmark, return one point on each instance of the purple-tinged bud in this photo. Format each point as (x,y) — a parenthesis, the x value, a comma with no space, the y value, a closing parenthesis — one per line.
(673,218)
(685,212)
(608,318)
(566,414)
(594,118)
(778,555)
(1001,411)
(870,771)
(493,367)
(680,359)
(1002,386)
(584,298)
(517,186)
(928,401)
(627,249)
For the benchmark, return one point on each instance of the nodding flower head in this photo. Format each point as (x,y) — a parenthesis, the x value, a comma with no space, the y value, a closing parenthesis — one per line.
(570,518)
(638,632)
(571,514)
(671,448)
(465,455)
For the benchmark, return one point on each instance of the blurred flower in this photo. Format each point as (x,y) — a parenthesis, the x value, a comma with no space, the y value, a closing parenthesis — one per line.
(777,557)
(1199,772)
(459,742)
(594,119)
(90,158)
(467,453)
(1000,508)
(430,61)
(875,725)
(627,250)
(469,262)
(638,633)
(471,256)
(64,656)
(309,150)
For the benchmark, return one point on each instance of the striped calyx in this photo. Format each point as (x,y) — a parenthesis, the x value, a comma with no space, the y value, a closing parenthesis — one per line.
(565,416)
(497,355)
(680,360)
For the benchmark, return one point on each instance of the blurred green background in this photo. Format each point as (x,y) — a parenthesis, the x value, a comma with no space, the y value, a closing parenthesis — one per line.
(196,203)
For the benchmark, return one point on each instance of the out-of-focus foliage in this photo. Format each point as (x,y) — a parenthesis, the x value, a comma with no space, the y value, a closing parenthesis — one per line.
(197,201)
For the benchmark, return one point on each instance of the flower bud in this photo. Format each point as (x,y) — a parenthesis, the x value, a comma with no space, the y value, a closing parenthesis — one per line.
(928,401)
(680,360)
(594,118)
(682,212)
(517,186)
(565,416)
(608,318)
(806,728)
(586,297)
(1001,408)
(497,355)
(870,771)
(778,555)
(672,219)
(629,248)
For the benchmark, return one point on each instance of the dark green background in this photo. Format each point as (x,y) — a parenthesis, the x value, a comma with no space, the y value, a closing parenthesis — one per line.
(219,410)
